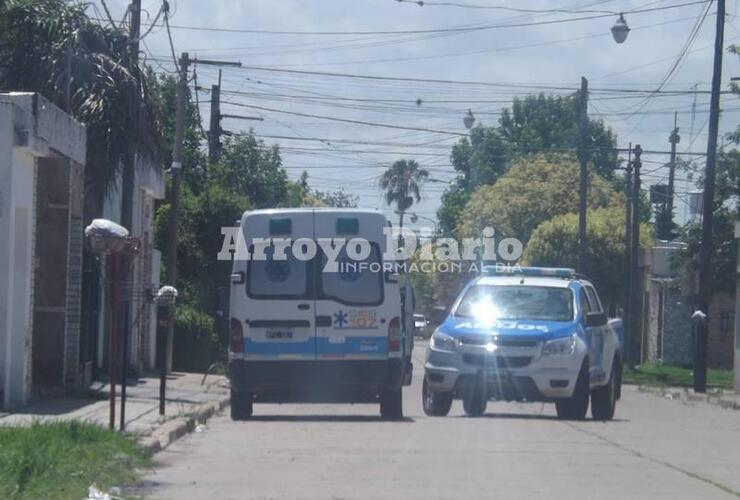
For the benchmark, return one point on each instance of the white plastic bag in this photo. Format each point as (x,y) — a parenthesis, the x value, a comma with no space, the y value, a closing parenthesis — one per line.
(106,236)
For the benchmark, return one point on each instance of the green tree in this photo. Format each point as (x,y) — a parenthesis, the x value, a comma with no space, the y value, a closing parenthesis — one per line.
(37,40)
(402,184)
(533,124)
(665,228)
(251,168)
(338,198)
(724,247)
(535,189)
(164,101)
(555,244)
(540,122)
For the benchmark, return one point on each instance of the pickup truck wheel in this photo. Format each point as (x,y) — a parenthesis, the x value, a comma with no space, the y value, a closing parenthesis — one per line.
(241,405)
(436,404)
(474,399)
(391,405)
(604,399)
(576,406)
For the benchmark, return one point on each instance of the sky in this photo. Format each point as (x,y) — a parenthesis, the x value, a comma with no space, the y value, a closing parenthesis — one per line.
(499,55)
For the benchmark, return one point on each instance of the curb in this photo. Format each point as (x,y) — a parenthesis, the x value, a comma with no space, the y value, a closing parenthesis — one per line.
(684,394)
(172,430)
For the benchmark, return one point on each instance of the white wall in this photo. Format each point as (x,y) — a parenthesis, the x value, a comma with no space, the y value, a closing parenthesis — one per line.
(30,126)
(6,151)
(17,173)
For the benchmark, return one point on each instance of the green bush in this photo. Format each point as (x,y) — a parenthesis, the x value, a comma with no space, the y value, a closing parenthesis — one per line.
(196,343)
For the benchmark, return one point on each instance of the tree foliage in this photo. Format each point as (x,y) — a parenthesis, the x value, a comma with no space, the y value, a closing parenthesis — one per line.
(40,40)
(402,184)
(250,167)
(535,189)
(164,101)
(724,247)
(555,244)
(533,124)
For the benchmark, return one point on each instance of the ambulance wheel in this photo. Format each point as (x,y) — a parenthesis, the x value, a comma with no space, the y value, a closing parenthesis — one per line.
(241,405)
(391,405)
(436,404)
(474,399)
(576,406)
(604,399)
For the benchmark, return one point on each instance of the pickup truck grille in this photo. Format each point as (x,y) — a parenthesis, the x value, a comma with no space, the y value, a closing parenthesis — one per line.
(499,341)
(497,361)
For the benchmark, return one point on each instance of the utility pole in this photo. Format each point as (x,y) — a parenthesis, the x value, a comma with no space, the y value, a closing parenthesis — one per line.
(583,158)
(627,243)
(127,181)
(705,252)
(674,139)
(635,282)
(214,129)
(127,207)
(171,260)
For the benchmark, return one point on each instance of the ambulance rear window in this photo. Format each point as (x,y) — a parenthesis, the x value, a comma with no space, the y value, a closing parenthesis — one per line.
(277,279)
(356,282)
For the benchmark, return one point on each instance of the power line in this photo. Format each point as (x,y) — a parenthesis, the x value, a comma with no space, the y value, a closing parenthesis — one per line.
(454,29)
(462,82)
(424,3)
(347,120)
(452,54)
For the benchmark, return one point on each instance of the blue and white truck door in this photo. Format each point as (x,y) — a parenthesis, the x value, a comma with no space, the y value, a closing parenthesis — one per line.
(279,304)
(600,332)
(589,334)
(352,320)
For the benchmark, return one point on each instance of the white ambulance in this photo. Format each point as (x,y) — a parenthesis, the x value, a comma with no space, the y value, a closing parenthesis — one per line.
(304,331)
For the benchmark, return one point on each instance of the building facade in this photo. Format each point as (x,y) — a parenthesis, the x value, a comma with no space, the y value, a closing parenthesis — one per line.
(42,158)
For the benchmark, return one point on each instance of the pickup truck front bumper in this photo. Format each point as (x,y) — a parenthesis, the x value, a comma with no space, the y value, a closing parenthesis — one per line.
(510,373)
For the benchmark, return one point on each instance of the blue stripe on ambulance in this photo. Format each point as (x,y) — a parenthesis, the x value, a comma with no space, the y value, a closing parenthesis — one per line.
(366,346)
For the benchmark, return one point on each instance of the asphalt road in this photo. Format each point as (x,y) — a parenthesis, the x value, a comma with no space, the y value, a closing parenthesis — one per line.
(654,449)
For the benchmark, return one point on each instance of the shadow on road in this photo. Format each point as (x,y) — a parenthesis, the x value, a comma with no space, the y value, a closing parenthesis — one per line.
(534,416)
(324,418)
(514,416)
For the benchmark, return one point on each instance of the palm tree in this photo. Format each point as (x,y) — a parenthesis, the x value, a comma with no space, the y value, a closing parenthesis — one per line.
(54,48)
(402,184)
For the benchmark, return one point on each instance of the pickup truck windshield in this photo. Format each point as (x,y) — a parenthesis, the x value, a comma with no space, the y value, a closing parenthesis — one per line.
(492,302)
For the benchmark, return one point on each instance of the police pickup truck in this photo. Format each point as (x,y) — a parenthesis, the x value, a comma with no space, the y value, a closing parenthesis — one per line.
(526,334)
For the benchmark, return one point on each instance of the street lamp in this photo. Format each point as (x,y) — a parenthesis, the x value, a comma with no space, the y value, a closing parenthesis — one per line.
(415,218)
(469,120)
(620,30)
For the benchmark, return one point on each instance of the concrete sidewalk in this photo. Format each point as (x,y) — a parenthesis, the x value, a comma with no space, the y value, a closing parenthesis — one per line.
(724,398)
(187,403)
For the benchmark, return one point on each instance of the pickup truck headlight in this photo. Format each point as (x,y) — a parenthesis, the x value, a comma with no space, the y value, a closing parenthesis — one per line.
(442,342)
(560,347)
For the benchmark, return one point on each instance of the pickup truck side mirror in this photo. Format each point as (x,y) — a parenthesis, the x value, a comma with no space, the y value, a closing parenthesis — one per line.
(596,319)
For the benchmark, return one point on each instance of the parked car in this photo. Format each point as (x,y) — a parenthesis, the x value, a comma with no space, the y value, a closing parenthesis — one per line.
(420,324)
(525,334)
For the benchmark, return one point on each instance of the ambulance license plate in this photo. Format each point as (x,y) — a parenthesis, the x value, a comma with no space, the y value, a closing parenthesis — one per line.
(279,334)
